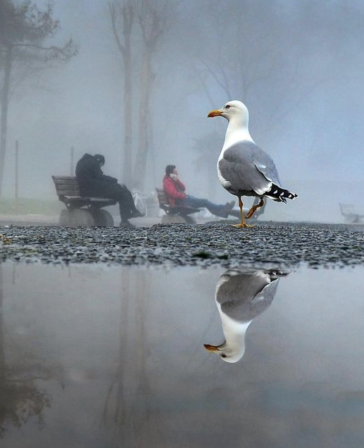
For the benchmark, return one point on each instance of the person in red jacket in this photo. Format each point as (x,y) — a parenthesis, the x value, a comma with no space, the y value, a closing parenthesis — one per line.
(175,191)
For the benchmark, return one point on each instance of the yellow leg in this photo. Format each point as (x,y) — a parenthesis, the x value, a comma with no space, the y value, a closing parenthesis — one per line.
(254,208)
(242,222)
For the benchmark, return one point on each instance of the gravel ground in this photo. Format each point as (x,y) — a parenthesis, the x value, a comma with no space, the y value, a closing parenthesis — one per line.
(267,244)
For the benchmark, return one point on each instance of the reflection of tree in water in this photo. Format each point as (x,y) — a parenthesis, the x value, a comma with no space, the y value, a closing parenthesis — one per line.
(20,402)
(20,371)
(128,404)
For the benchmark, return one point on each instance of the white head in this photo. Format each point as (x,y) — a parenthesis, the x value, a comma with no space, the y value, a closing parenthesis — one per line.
(233,348)
(238,117)
(233,110)
(229,352)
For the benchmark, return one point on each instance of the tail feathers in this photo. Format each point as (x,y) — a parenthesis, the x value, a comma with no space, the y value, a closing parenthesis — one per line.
(279,194)
(274,274)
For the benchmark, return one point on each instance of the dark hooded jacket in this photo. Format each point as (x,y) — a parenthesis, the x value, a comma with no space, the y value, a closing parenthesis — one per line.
(92,181)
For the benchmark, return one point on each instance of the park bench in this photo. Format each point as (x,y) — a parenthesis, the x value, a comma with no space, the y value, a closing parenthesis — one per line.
(351,216)
(177,214)
(81,211)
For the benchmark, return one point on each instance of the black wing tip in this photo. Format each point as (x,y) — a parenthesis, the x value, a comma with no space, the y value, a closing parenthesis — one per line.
(280,194)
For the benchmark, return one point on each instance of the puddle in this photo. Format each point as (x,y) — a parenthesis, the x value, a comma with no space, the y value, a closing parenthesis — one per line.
(95,356)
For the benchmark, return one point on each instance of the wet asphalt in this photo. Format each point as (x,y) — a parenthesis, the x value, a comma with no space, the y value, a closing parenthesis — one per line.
(212,244)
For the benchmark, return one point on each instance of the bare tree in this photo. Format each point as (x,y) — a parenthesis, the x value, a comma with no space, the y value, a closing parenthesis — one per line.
(207,149)
(258,55)
(238,58)
(21,371)
(151,18)
(122,16)
(24,31)
(152,21)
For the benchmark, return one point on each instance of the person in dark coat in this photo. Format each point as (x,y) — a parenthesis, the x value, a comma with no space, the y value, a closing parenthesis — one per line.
(93,182)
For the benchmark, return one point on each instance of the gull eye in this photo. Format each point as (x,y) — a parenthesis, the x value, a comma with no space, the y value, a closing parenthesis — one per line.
(227,106)
(223,355)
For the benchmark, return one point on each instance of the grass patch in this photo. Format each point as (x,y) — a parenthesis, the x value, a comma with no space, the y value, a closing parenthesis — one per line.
(30,206)
(202,254)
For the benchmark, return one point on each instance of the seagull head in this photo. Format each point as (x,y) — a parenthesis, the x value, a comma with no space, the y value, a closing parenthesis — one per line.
(238,117)
(233,110)
(226,353)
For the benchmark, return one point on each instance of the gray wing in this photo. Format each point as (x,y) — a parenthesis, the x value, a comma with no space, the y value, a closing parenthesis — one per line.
(248,168)
(243,297)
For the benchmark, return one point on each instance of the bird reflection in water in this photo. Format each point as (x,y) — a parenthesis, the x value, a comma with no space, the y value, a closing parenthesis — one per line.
(240,297)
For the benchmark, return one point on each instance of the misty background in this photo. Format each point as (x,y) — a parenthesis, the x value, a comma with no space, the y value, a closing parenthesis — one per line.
(296,65)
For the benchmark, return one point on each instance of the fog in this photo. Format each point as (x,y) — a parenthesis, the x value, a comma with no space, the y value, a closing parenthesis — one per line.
(296,65)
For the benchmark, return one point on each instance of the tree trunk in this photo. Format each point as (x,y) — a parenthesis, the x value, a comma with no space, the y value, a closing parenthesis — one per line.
(4,112)
(2,21)
(128,120)
(146,81)
(2,343)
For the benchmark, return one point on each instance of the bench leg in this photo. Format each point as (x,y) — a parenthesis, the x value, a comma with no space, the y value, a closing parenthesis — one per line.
(64,218)
(78,217)
(102,218)
(190,220)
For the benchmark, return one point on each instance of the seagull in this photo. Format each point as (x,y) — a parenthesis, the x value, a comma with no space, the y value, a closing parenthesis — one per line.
(240,297)
(243,168)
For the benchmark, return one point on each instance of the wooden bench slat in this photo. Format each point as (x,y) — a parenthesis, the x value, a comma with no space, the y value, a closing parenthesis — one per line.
(162,198)
(66,184)
(181,210)
(69,193)
(69,180)
(64,180)
(86,198)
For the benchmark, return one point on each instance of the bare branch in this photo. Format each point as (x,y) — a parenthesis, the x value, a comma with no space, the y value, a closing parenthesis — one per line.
(115,32)
(62,54)
(223,85)
(151,24)
(206,90)
(126,11)
(128,19)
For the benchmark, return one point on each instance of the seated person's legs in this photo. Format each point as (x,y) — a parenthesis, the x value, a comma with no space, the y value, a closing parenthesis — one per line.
(126,204)
(220,210)
(122,195)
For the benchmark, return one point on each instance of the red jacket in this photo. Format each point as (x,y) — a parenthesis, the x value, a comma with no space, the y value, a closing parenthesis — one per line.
(174,190)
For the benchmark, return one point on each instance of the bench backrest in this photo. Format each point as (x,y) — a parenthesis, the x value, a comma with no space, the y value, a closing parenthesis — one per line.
(66,185)
(162,198)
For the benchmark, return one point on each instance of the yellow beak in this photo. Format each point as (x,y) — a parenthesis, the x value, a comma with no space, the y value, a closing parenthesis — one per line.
(211,348)
(214,113)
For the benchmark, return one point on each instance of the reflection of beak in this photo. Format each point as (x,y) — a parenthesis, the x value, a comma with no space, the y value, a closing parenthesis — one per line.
(211,348)
(214,113)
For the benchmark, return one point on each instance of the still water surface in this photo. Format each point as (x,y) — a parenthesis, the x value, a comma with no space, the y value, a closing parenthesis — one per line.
(126,357)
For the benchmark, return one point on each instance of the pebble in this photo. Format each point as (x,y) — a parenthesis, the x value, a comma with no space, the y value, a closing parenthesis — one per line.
(212,244)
